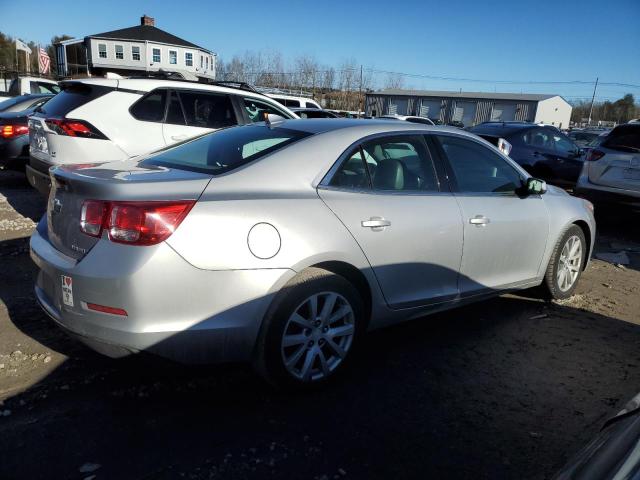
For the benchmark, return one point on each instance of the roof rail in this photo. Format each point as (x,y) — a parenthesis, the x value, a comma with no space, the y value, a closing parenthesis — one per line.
(178,77)
(283,91)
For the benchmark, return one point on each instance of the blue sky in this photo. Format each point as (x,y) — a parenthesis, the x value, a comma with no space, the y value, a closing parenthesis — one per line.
(532,41)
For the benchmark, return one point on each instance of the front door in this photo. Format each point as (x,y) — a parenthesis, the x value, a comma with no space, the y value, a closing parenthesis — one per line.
(505,234)
(388,196)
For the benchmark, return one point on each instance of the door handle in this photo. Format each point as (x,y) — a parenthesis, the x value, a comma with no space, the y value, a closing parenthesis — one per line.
(479,220)
(377,224)
(177,138)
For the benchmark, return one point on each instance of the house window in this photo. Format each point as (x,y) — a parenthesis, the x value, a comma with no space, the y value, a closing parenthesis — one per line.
(173,57)
(206,63)
(188,59)
(156,55)
(201,61)
(102,50)
(135,53)
(119,52)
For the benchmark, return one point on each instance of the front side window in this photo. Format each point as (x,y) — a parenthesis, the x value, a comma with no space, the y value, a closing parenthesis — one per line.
(227,149)
(157,58)
(151,107)
(119,52)
(102,50)
(208,110)
(477,169)
(563,145)
(257,109)
(135,53)
(188,59)
(173,57)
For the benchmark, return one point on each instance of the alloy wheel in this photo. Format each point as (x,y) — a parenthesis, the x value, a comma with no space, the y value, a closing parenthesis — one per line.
(569,263)
(318,336)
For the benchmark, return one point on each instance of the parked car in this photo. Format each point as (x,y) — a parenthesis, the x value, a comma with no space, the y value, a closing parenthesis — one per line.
(456,123)
(543,151)
(14,134)
(115,119)
(611,171)
(583,138)
(31,85)
(293,101)
(228,247)
(23,102)
(612,452)
(313,113)
(408,118)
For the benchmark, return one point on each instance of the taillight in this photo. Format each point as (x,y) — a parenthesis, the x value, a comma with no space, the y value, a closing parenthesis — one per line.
(133,223)
(12,131)
(594,155)
(74,128)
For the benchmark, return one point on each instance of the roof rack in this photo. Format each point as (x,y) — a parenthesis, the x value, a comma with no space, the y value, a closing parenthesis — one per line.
(283,91)
(179,76)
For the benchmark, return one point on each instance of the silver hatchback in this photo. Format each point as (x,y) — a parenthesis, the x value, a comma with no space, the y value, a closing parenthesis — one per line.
(281,243)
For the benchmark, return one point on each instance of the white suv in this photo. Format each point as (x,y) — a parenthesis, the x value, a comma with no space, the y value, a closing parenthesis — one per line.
(100,120)
(294,102)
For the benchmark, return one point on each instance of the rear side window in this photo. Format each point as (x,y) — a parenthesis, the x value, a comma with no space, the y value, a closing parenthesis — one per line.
(72,97)
(43,87)
(625,138)
(310,105)
(151,107)
(208,110)
(227,149)
(287,102)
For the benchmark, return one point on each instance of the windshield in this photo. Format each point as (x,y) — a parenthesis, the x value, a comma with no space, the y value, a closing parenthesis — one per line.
(226,149)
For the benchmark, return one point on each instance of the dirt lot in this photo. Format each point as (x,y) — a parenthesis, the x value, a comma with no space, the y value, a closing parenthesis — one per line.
(508,388)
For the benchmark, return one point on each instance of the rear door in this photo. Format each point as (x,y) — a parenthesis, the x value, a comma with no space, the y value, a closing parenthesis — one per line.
(620,166)
(386,192)
(505,234)
(191,113)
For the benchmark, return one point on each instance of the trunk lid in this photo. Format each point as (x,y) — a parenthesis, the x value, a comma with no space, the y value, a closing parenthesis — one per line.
(123,181)
(620,166)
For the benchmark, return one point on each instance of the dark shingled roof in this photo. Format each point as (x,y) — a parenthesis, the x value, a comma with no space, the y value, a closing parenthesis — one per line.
(478,95)
(146,32)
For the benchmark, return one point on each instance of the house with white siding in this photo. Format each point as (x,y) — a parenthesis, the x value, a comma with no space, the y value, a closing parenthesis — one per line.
(133,50)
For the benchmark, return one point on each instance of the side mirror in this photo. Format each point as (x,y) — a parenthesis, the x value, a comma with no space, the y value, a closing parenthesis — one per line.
(535,186)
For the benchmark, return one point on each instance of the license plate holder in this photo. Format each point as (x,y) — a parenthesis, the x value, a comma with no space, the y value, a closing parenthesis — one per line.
(67,290)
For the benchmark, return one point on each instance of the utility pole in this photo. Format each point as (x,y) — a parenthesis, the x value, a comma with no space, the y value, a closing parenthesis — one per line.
(592,99)
(361,102)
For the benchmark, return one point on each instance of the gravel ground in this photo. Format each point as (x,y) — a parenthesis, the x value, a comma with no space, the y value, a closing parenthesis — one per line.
(508,388)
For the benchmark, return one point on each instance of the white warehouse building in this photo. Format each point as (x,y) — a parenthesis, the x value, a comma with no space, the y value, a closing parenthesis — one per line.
(470,108)
(132,51)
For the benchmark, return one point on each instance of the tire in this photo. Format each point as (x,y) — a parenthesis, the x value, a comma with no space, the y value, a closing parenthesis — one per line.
(560,286)
(311,349)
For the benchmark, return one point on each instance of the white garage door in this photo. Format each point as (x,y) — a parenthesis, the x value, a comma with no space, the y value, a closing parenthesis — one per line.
(503,112)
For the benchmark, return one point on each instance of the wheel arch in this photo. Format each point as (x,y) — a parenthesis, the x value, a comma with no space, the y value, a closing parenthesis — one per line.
(586,230)
(353,276)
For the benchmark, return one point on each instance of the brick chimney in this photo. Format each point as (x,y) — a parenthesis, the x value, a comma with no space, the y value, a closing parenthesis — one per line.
(148,21)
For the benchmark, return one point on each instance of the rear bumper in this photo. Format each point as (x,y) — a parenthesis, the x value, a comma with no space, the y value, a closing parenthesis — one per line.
(174,310)
(38,176)
(12,153)
(606,195)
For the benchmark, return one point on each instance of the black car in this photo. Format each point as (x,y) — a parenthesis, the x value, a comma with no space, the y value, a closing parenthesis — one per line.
(584,138)
(543,151)
(22,102)
(14,132)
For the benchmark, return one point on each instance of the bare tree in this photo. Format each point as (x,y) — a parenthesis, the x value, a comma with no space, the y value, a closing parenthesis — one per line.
(394,81)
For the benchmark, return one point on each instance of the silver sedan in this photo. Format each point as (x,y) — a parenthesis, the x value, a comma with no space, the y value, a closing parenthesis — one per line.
(280,243)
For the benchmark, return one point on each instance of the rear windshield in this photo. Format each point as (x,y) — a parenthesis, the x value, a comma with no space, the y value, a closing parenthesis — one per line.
(72,97)
(224,150)
(625,138)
